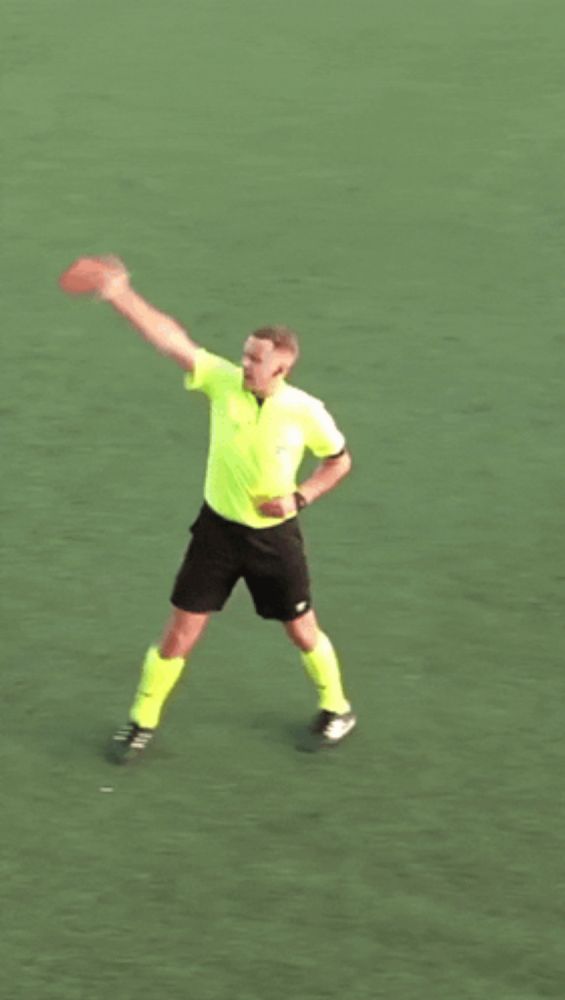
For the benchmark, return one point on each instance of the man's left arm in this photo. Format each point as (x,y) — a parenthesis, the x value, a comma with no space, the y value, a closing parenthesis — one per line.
(326,442)
(325,477)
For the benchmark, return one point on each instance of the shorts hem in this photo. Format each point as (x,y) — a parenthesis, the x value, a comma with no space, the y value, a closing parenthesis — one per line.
(193,611)
(285,617)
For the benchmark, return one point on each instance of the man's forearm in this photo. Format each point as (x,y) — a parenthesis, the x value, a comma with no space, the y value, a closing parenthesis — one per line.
(158,329)
(329,473)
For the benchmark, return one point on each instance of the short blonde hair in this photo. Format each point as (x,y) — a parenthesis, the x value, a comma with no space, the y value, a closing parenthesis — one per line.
(282,338)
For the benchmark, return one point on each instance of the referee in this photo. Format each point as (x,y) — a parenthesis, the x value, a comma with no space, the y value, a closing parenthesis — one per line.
(247,526)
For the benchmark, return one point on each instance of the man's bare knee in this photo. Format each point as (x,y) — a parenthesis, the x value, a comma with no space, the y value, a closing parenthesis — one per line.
(303,631)
(182,633)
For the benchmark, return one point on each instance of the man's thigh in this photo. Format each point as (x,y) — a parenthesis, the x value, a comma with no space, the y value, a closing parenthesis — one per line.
(210,568)
(276,572)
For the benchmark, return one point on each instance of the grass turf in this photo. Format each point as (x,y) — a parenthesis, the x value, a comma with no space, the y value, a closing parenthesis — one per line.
(386,178)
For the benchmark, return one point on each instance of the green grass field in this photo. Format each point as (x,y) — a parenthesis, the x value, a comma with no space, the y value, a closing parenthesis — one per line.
(388,179)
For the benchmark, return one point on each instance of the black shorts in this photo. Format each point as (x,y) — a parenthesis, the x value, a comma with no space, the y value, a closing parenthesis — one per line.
(272,562)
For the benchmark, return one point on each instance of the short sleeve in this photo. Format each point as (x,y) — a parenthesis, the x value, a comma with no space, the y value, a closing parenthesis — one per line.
(210,372)
(323,437)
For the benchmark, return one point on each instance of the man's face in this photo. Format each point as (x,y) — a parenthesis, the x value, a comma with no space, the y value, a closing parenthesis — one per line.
(262,364)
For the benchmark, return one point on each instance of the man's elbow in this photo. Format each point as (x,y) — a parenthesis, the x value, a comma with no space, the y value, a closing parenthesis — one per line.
(347,462)
(341,464)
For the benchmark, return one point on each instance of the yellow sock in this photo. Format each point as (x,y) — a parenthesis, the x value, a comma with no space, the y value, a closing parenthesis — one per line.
(158,678)
(323,667)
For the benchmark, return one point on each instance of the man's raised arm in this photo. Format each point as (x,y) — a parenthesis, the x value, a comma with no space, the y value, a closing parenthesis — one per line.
(108,279)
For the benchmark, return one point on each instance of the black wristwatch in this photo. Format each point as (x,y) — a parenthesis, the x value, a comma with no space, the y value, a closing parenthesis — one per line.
(299,500)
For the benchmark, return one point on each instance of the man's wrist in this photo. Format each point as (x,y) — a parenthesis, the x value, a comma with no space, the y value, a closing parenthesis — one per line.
(300,500)
(114,288)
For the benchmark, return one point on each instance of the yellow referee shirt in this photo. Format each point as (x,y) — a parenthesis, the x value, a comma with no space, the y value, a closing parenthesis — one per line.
(255,451)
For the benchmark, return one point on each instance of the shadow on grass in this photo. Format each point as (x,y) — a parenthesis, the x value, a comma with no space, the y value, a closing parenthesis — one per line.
(290,732)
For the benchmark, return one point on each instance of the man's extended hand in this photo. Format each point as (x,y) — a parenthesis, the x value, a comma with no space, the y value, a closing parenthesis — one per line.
(107,278)
(277,506)
(116,277)
(101,277)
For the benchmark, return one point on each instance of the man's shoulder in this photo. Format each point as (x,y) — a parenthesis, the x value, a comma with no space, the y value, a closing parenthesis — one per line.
(212,373)
(216,362)
(300,400)
(322,434)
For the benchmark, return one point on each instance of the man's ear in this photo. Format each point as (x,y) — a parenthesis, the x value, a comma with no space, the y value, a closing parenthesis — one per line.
(286,362)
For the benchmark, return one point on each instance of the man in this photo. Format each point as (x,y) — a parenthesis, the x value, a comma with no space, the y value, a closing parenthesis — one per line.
(248,526)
